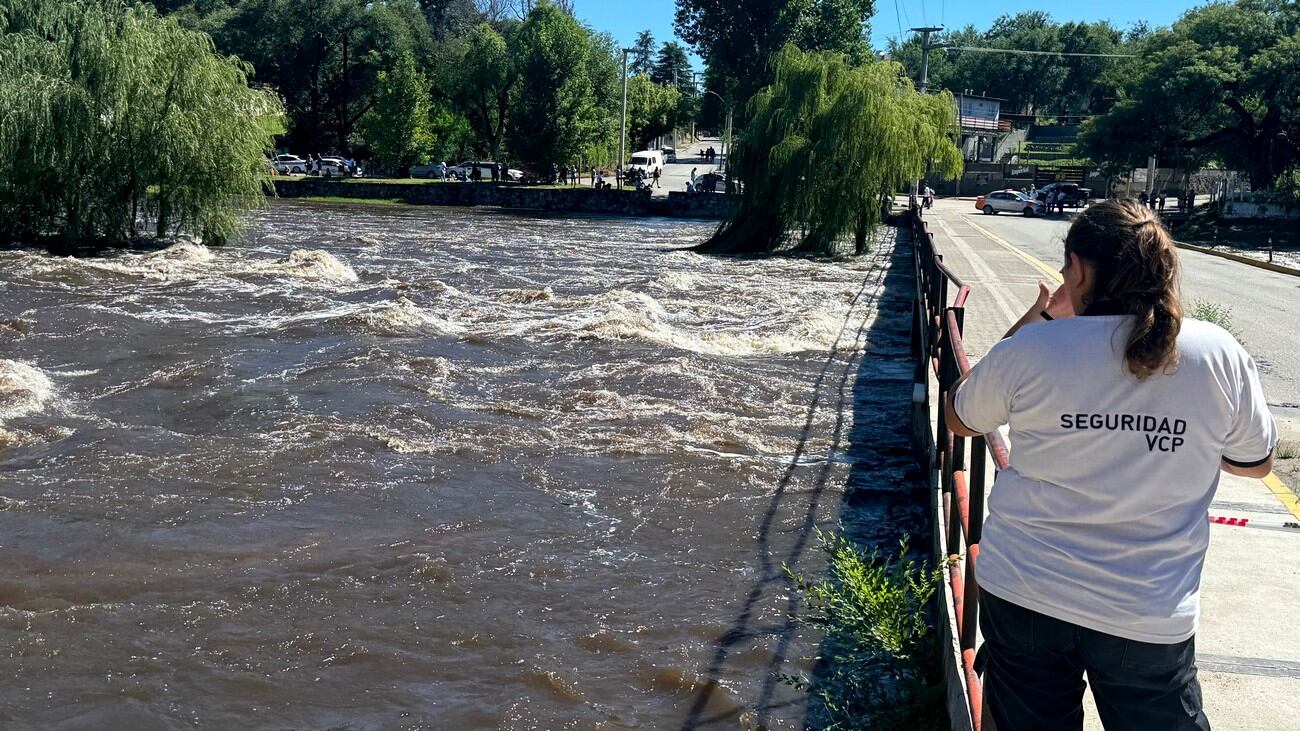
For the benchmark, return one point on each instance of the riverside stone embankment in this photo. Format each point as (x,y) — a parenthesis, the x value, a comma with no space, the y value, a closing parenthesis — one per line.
(564,200)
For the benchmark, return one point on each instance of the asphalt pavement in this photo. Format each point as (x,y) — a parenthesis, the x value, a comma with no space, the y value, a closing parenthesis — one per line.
(691,157)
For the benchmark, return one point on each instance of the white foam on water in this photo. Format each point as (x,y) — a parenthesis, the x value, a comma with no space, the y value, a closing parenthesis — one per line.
(524,296)
(679,281)
(625,315)
(312,264)
(24,390)
(402,318)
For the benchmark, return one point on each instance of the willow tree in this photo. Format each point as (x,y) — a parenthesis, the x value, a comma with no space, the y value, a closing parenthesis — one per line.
(114,116)
(824,143)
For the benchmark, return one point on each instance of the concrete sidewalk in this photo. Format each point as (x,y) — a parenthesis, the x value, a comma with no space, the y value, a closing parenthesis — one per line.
(1248,645)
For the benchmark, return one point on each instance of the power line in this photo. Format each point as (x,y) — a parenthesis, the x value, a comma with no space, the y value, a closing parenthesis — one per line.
(898,17)
(1040,53)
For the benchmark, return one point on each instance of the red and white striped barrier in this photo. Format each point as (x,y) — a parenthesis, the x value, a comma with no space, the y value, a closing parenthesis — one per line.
(1288,526)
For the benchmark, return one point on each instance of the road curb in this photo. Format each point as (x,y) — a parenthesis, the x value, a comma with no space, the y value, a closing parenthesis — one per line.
(1241,259)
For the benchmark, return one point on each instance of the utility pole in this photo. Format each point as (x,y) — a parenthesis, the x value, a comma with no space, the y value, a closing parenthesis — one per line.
(926,47)
(622,136)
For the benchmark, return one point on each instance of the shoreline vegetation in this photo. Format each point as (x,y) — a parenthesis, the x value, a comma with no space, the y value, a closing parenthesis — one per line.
(147,122)
(828,142)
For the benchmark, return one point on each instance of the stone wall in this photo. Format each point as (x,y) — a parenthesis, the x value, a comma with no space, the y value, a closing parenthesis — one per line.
(579,199)
(697,205)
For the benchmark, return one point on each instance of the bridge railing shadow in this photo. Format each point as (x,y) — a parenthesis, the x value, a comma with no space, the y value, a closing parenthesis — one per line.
(868,390)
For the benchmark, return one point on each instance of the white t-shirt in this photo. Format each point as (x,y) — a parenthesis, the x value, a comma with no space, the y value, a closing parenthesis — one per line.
(1101,519)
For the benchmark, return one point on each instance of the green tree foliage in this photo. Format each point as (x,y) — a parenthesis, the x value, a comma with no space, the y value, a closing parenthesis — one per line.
(836,25)
(651,110)
(641,59)
(1221,85)
(605,72)
(824,143)
(113,114)
(399,127)
(738,39)
(554,109)
(673,66)
(479,78)
(323,56)
(1031,84)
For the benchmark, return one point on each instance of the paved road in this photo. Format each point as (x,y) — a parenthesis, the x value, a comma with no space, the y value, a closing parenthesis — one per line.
(690,157)
(1265,306)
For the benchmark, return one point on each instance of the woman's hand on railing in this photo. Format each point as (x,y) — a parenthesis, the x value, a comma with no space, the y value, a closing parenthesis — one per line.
(1050,305)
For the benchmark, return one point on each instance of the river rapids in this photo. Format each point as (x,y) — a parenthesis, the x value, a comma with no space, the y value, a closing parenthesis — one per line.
(404,468)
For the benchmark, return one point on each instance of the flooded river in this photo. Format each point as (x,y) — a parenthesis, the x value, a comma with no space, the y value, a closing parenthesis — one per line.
(402,468)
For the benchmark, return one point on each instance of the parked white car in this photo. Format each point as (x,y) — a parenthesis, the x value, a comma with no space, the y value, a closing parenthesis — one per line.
(285,164)
(333,167)
(1010,201)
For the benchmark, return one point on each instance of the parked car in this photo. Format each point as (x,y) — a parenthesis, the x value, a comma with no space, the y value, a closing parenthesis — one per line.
(670,154)
(333,167)
(285,164)
(1011,201)
(710,182)
(465,170)
(433,171)
(1074,195)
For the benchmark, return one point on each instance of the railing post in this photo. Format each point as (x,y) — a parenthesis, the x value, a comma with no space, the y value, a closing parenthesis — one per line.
(978,465)
(975,514)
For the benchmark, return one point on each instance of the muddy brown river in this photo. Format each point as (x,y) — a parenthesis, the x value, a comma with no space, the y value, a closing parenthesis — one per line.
(404,468)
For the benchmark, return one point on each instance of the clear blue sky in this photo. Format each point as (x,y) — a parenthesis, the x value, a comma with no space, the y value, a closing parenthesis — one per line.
(625,18)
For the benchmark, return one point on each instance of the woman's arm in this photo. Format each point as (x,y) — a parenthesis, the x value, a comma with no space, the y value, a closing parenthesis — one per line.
(1257,471)
(1049,306)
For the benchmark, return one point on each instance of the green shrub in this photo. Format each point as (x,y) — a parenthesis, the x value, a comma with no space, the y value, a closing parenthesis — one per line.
(879,666)
(1217,314)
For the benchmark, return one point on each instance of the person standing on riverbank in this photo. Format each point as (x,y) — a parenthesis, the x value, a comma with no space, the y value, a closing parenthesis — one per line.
(1092,564)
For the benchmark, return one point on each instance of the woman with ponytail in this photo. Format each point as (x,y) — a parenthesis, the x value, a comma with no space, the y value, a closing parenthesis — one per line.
(1122,415)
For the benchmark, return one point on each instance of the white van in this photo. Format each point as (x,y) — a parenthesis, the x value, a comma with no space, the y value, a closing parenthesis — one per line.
(648,161)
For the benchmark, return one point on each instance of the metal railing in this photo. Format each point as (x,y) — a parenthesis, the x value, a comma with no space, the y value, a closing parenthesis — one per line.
(937,328)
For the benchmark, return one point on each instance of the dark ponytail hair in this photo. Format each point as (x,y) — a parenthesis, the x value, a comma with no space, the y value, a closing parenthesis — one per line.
(1136,274)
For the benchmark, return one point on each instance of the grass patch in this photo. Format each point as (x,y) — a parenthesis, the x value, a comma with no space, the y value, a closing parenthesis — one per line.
(1216,314)
(344,199)
(1287,449)
(879,666)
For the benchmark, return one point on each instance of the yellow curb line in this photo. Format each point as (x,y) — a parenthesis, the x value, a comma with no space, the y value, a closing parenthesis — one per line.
(1282,493)
(1240,259)
(1274,485)
(1034,261)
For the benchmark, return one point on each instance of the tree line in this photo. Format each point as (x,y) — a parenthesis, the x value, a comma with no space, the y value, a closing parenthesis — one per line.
(1218,87)
(403,81)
